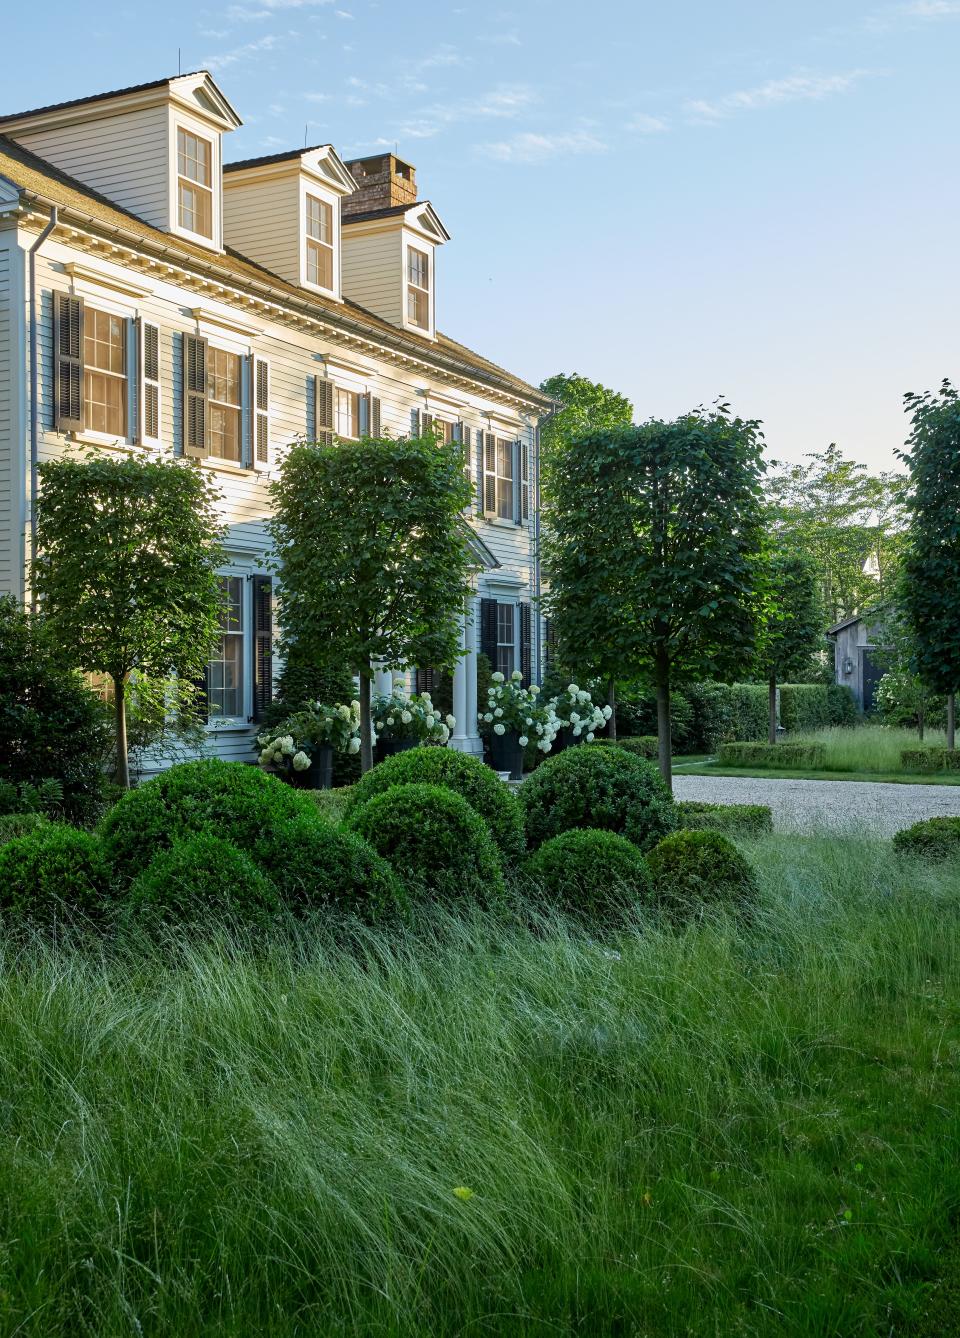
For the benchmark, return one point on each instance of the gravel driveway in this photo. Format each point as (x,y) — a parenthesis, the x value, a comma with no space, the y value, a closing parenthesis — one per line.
(802,805)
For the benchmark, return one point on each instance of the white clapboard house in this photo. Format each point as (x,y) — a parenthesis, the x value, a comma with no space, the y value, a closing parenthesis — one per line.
(156,298)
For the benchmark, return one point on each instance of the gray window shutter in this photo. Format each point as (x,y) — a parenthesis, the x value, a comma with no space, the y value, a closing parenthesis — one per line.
(148,344)
(262,645)
(427,680)
(68,350)
(194,396)
(363,415)
(426,424)
(478,457)
(489,474)
(261,411)
(526,643)
(323,410)
(464,440)
(488,630)
(375,428)
(414,422)
(515,451)
(524,481)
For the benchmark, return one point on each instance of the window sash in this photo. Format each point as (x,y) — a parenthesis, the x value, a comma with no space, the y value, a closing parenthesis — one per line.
(506,639)
(194,191)
(225,680)
(504,478)
(319,264)
(418,288)
(225,404)
(104,373)
(347,413)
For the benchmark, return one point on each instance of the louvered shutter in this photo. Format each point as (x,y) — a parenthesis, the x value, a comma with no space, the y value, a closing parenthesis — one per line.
(489,474)
(550,640)
(524,481)
(148,344)
(465,442)
(323,410)
(488,630)
(68,377)
(526,643)
(515,466)
(262,645)
(426,424)
(261,412)
(427,680)
(363,415)
(478,459)
(414,422)
(194,396)
(375,427)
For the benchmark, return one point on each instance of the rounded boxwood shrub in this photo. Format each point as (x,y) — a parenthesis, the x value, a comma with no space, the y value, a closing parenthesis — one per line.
(13,825)
(693,870)
(605,788)
(202,878)
(314,864)
(932,839)
(239,803)
(591,873)
(435,841)
(53,871)
(468,776)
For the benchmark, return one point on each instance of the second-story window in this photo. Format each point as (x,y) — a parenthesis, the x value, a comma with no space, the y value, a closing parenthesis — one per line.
(319,242)
(104,373)
(224,401)
(504,479)
(194,183)
(347,405)
(418,288)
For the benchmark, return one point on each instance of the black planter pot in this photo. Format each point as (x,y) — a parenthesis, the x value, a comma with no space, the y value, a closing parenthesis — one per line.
(387,747)
(319,775)
(506,753)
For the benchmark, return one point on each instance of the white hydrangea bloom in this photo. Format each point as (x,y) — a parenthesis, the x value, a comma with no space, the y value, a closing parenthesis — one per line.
(516,676)
(444,734)
(287,746)
(451,721)
(607,712)
(406,717)
(389,719)
(499,729)
(343,712)
(353,746)
(266,757)
(488,716)
(573,689)
(431,721)
(534,689)
(523,740)
(498,712)
(497,677)
(301,761)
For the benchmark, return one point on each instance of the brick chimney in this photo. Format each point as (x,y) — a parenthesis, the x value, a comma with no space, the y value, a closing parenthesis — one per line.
(382,182)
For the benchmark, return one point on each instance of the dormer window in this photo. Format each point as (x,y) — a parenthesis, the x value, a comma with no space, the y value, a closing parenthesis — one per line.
(319,242)
(418,288)
(194,183)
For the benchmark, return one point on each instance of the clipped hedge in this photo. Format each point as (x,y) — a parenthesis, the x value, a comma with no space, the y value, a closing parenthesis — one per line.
(842,706)
(201,879)
(640,745)
(695,870)
(930,758)
(588,873)
(637,715)
(733,819)
(438,845)
(604,788)
(315,864)
(467,776)
(239,803)
(932,839)
(53,872)
(723,711)
(785,756)
(13,825)
(804,707)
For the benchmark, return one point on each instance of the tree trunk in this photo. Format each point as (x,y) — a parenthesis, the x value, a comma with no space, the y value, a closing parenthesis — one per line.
(366,729)
(773,709)
(952,722)
(612,703)
(664,739)
(122,776)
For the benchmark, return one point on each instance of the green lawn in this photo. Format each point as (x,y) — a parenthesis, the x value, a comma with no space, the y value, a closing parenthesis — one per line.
(499,1125)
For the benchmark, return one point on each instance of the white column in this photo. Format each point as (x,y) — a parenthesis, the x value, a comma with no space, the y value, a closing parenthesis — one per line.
(382,681)
(465,736)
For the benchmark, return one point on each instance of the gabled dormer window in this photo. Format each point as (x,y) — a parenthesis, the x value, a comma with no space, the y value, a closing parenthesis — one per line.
(418,288)
(319,220)
(194,183)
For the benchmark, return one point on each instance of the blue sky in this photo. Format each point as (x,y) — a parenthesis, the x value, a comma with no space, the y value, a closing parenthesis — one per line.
(754,198)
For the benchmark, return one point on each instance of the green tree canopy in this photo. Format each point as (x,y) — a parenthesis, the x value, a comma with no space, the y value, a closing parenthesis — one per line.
(652,537)
(584,406)
(930,590)
(127,552)
(791,620)
(371,552)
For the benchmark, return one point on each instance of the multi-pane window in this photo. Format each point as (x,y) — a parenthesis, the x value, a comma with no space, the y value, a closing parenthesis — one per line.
(504,478)
(347,408)
(224,401)
(319,242)
(104,373)
(225,668)
(194,183)
(418,288)
(444,430)
(506,639)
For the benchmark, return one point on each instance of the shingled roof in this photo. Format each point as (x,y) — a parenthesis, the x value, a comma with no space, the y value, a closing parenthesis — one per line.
(39,181)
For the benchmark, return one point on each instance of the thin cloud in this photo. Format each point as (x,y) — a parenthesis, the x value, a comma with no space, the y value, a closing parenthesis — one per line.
(930,9)
(532,148)
(647,125)
(774,93)
(502,39)
(238,53)
(265,9)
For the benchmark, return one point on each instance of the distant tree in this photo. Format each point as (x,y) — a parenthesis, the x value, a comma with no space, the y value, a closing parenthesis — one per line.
(651,548)
(902,697)
(791,620)
(584,406)
(931,566)
(127,552)
(370,549)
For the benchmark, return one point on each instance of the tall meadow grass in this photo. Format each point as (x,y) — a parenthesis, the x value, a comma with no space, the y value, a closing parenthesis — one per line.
(495,1124)
(868,748)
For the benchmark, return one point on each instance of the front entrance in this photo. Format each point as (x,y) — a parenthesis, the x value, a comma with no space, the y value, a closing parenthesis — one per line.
(870,675)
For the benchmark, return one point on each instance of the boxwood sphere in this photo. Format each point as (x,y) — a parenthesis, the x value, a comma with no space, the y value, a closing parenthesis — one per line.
(13,825)
(202,878)
(591,873)
(468,776)
(239,803)
(315,864)
(932,839)
(53,871)
(694,870)
(435,841)
(603,788)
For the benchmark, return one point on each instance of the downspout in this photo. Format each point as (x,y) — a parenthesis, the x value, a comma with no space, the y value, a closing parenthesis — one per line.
(34,392)
(538,621)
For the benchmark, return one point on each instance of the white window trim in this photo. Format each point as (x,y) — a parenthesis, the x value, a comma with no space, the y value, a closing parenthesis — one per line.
(107,306)
(180,121)
(227,723)
(412,240)
(309,186)
(222,462)
(347,389)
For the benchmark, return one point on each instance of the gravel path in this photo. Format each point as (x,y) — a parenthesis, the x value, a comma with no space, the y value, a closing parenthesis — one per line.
(803,805)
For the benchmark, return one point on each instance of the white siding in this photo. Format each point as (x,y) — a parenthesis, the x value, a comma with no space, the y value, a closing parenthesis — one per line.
(261,221)
(125,156)
(373,271)
(13,373)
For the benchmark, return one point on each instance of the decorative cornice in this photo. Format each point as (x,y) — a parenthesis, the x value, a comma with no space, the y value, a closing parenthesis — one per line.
(101,279)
